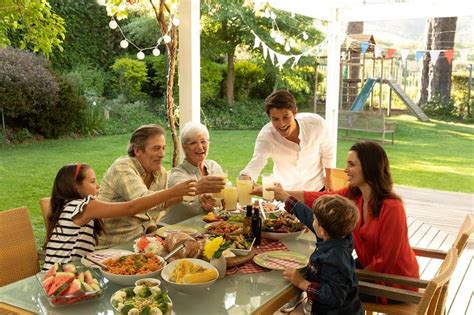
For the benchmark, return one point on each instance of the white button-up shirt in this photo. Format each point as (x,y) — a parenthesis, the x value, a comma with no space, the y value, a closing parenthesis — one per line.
(295,166)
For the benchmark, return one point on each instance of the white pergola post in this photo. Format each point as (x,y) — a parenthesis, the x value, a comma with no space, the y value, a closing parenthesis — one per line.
(332,78)
(189,63)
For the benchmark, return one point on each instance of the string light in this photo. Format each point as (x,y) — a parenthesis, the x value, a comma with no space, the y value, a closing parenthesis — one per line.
(125,42)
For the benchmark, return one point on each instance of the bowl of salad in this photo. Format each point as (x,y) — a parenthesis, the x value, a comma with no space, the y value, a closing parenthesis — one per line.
(144,298)
(285,226)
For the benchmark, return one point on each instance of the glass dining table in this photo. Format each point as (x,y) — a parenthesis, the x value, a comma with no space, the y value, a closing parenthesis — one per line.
(234,294)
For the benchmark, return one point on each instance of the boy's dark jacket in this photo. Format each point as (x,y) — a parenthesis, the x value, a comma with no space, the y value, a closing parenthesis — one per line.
(332,267)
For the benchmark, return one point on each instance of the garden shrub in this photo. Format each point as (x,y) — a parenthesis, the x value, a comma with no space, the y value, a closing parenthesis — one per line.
(459,92)
(212,75)
(90,81)
(93,121)
(64,116)
(249,76)
(26,85)
(124,116)
(243,115)
(436,108)
(132,74)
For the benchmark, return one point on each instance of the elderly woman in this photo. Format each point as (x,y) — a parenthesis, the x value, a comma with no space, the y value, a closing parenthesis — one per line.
(381,235)
(195,142)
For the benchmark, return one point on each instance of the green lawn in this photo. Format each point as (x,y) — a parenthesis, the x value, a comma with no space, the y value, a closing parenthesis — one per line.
(435,155)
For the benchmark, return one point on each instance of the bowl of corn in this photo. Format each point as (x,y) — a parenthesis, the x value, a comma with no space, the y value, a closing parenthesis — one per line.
(189,275)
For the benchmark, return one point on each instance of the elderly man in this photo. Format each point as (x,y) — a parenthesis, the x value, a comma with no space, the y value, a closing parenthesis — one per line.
(195,142)
(298,144)
(138,174)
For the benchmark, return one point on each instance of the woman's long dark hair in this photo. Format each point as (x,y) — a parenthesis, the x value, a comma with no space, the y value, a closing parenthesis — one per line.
(64,191)
(376,170)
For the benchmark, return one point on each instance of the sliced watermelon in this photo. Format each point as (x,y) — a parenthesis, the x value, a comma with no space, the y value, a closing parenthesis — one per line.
(88,276)
(74,287)
(86,287)
(59,282)
(52,271)
(66,274)
(47,283)
(69,268)
(80,276)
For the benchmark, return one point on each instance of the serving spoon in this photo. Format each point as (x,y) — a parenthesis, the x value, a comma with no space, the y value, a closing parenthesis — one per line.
(95,262)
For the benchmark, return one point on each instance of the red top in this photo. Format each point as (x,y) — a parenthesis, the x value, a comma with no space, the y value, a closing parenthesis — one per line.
(381,243)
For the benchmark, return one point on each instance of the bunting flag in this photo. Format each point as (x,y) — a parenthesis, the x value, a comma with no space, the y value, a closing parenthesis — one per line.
(364,46)
(282,59)
(271,53)
(378,51)
(297,58)
(390,53)
(434,54)
(449,55)
(404,53)
(419,55)
(265,50)
(257,42)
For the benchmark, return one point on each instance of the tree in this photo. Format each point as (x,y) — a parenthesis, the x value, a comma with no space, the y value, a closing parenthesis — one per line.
(30,25)
(167,22)
(227,24)
(436,79)
(354,72)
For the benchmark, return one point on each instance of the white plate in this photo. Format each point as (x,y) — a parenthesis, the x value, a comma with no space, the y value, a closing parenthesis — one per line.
(163,231)
(281,260)
(101,255)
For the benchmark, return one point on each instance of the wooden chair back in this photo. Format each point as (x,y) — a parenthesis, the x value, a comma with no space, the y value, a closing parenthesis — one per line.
(18,256)
(45,205)
(339,178)
(467,228)
(431,301)
(434,297)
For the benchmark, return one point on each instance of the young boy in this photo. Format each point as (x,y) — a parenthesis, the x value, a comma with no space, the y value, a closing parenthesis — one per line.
(330,280)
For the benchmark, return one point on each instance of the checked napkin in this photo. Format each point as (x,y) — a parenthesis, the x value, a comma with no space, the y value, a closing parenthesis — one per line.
(251,267)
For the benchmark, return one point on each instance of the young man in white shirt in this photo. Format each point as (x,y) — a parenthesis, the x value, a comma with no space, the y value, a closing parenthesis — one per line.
(298,144)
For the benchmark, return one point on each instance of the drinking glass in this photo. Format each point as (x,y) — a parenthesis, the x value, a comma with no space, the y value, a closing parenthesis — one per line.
(244,187)
(190,199)
(267,182)
(230,197)
(222,174)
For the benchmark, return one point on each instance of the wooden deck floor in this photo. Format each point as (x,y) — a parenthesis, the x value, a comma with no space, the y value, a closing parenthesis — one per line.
(434,218)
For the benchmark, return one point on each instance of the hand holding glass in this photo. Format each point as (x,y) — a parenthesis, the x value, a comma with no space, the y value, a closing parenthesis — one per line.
(267,182)
(244,187)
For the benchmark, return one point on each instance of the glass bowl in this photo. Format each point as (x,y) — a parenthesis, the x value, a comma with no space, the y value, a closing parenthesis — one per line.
(66,288)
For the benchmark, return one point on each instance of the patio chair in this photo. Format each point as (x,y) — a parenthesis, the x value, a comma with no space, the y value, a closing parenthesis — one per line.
(45,205)
(431,301)
(339,178)
(18,257)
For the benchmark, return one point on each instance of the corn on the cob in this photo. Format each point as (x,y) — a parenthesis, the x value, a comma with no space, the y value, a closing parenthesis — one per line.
(200,277)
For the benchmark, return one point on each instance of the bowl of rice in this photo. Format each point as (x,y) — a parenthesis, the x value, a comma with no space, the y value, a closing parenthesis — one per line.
(127,269)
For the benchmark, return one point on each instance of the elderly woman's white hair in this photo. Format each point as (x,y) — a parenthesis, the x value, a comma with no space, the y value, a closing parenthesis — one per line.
(191,130)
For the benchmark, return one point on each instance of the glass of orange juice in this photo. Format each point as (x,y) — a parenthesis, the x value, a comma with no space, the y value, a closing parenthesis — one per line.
(244,187)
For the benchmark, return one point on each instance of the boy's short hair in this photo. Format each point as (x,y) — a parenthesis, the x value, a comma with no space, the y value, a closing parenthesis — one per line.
(336,214)
(280,99)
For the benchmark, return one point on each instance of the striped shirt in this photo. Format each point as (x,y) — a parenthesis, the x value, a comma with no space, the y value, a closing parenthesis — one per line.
(70,241)
(125,181)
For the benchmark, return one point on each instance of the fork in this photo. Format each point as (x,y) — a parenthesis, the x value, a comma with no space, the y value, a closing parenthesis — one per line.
(291,306)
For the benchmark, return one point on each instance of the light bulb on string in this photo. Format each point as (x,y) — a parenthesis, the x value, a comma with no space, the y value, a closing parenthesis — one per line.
(124,43)
(113,24)
(140,55)
(166,39)
(273,33)
(156,52)
(176,21)
(305,36)
(287,46)
(273,16)
(266,13)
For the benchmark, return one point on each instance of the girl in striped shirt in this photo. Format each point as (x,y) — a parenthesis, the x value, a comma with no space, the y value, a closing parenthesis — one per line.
(75,220)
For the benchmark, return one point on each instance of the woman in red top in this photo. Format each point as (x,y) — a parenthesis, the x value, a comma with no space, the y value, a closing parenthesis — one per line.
(381,235)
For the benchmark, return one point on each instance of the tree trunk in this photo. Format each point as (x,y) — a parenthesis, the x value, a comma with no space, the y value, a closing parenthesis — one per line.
(441,37)
(425,71)
(171,48)
(229,84)
(354,58)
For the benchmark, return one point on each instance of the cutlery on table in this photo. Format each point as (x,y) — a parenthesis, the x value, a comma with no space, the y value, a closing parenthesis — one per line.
(98,263)
(174,251)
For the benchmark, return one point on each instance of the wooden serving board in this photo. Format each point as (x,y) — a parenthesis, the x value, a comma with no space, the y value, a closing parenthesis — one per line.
(238,260)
